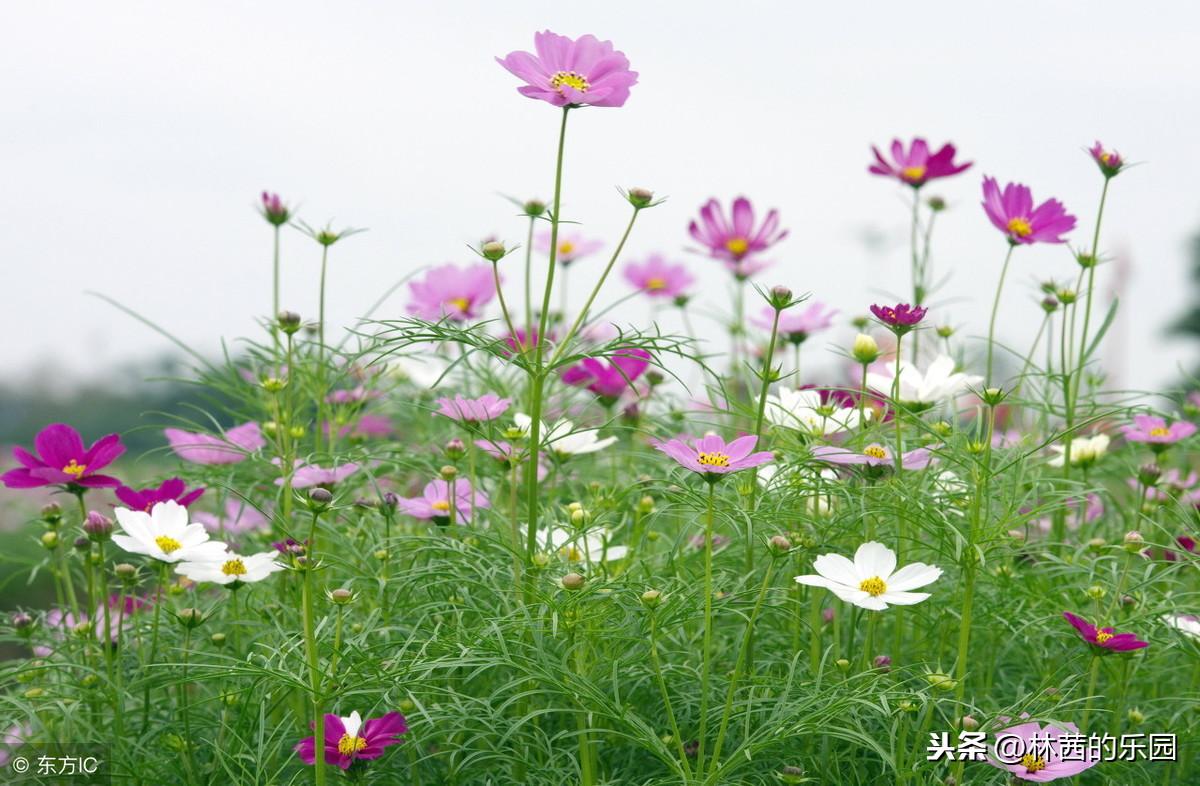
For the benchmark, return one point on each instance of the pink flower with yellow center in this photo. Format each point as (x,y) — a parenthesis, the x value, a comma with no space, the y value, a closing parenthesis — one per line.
(472,410)
(571,246)
(352,739)
(62,460)
(1109,161)
(453,292)
(434,502)
(1012,211)
(734,238)
(711,457)
(916,166)
(873,455)
(1105,638)
(564,72)
(1156,432)
(658,278)
(797,324)
(235,445)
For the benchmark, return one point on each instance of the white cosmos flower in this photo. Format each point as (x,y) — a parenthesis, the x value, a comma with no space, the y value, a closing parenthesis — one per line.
(871,581)
(1184,623)
(562,438)
(802,410)
(938,383)
(1085,451)
(164,534)
(587,547)
(227,567)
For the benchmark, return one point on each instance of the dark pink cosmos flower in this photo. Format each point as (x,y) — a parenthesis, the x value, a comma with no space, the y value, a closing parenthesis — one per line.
(899,318)
(1154,430)
(711,457)
(916,166)
(62,460)
(434,502)
(235,445)
(797,324)
(571,246)
(170,489)
(274,210)
(1039,756)
(1013,213)
(452,292)
(472,410)
(609,378)
(1109,161)
(1105,638)
(873,455)
(735,238)
(658,278)
(307,475)
(583,72)
(351,739)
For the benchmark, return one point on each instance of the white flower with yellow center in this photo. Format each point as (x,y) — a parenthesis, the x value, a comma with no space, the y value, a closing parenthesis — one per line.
(871,581)
(938,383)
(1085,451)
(1184,623)
(164,534)
(227,568)
(591,547)
(802,410)
(562,439)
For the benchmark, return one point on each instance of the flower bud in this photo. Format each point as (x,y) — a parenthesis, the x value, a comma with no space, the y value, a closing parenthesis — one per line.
(1135,716)
(407,705)
(939,681)
(341,597)
(448,473)
(1128,601)
(296,432)
(190,618)
(288,321)
(842,664)
(790,774)
(1096,592)
(83,629)
(780,297)
(380,554)
(534,208)
(455,449)
(883,663)
(1096,544)
(993,396)
(945,331)
(98,526)
(1085,259)
(1049,304)
(217,639)
(1148,474)
(1133,541)
(579,517)
(572,581)
(50,540)
(654,377)
(652,598)
(319,499)
(33,693)
(1067,296)
(126,573)
(639,197)
(82,543)
(493,251)
(20,620)
(540,560)
(968,723)
(865,349)
(646,504)
(779,545)
(51,513)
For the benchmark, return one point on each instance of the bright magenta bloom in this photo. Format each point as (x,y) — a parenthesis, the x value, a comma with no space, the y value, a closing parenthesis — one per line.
(472,410)
(733,239)
(453,292)
(235,445)
(351,739)
(658,278)
(434,502)
(874,455)
(571,246)
(1109,161)
(1105,638)
(1039,757)
(900,318)
(609,378)
(171,489)
(1154,430)
(1012,212)
(583,72)
(796,325)
(712,458)
(62,460)
(916,166)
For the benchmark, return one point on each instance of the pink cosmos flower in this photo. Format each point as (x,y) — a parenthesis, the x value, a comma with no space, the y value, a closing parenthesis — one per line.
(1039,756)
(274,210)
(916,166)
(873,455)
(571,246)
(520,339)
(658,278)
(1093,509)
(355,395)
(796,325)
(1105,638)
(62,460)
(1154,430)
(609,378)
(1012,212)
(711,457)
(14,738)
(173,489)
(1173,484)
(368,426)
(507,454)
(746,268)
(350,739)
(434,502)
(583,72)
(899,318)
(239,517)
(233,446)
(452,292)
(1109,161)
(307,475)
(735,238)
(472,410)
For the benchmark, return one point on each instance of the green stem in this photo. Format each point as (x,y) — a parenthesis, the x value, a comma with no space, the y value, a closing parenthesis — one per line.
(666,697)
(1093,678)
(706,653)
(995,310)
(528,286)
(1087,311)
(310,652)
(158,598)
(273,318)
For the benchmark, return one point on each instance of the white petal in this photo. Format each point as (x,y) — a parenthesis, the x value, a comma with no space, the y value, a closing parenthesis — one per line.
(903,598)
(869,602)
(353,723)
(874,559)
(912,576)
(837,568)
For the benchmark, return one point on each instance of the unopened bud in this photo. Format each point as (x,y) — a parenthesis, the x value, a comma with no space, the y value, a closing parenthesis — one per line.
(50,540)
(842,664)
(1049,304)
(780,297)
(341,596)
(646,504)
(493,251)
(448,473)
(534,207)
(936,204)
(945,331)
(82,543)
(455,449)
(654,377)
(191,618)
(1135,716)
(1096,544)
(1096,592)
(125,572)
(968,723)
(640,197)
(98,526)
(1133,541)
(572,581)
(865,349)
(651,598)
(1148,474)
(51,513)
(883,663)
(217,639)
(289,321)
(779,545)
(20,620)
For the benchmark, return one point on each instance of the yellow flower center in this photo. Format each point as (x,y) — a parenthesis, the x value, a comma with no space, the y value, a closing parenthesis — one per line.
(75,469)
(348,746)
(167,544)
(572,554)
(460,303)
(656,283)
(875,451)
(1102,637)
(234,567)
(1106,157)
(737,245)
(873,586)
(1033,763)
(1019,227)
(713,459)
(566,248)
(570,79)
(441,505)
(913,173)
(1161,431)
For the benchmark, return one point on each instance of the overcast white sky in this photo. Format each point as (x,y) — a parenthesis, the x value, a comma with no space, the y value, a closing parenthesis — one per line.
(136,137)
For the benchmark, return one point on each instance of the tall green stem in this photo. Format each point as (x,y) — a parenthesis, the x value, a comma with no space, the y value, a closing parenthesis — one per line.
(706,654)
(666,697)
(310,653)
(995,310)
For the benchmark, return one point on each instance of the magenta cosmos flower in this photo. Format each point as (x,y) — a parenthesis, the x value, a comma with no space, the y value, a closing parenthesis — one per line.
(472,410)
(231,447)
(452,292)
(916,166)
(1105,638)
(796,325)
(1155,431)
(307,475)
(1109,161)
(899,318)
(712,458)
(1013,213)
(571,246)
(351,739)
(658,278)
(62,460)
(172,489)
(873,455)
(609,378)
(583,72)
(732,239)
(1032,752)
(434,502)
(274,210)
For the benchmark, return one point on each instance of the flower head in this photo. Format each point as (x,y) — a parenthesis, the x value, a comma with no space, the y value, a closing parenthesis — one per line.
(900,318)
(871,581)
(591,547)
(806,410)
(307,475)
(434,502)
(658,278)
(164,534)
(351,739)
(874,455)
(1109,161)
(1105,638)
(62,460)
(1155,431)
(452,292)
(1013,213)
(231,447)
(572,246)
(228,568)
(710,456)
(939,381)
(563,440)
(916,166)
(239,517)
(1032,752)
(472,410)
(797,324)
(274,210)
(565,72)
(171,489)
(1085,451)
(1188,624)
(735,238)
(609,378)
